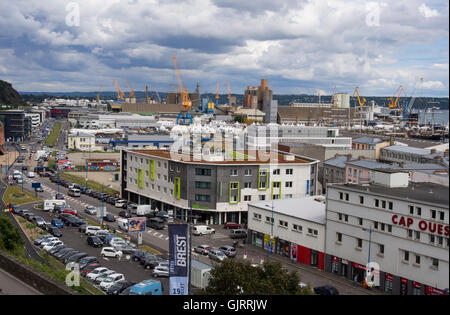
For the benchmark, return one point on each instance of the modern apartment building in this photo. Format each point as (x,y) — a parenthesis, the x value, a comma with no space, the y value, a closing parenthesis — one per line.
(401,226)
(217,190)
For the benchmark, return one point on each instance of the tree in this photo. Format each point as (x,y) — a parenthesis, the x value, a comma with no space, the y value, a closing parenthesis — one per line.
(233,277)
(10,237)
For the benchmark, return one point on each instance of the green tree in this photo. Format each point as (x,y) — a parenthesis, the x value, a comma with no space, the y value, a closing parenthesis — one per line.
(233,277)
(10,237)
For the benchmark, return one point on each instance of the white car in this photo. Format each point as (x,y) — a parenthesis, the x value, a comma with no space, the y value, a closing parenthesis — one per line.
(101,232)
(110,252)
(91,229)
(49,240)
(49,246)
(96,272)
(117,241)
(119,203)
(110,280)
(161,271)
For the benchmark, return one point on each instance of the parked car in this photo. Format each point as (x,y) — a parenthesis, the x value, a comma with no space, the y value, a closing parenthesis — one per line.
(68,254)
(110,280)
(124,248)
(231,225)
(56,249)
(39,240)
(59,196)
(119,287)
(230,251)
(88,260)
(62,252)
(57,223)
(50,245)
(48,241)
(216,255)
(55,231)
(202,249)
(75,258)
(94,241)
(91,229)
(138,254)
(27,215)
(119,203)
(110,252)
(160,271)
(101,232)
(39,221)
(326,290)
(202,230)
(87,269)
(155,223)
(103,276)
(238,233)
(71,211)
(90,210)
(125,214)
(152,262)
(109,218)
(96,272)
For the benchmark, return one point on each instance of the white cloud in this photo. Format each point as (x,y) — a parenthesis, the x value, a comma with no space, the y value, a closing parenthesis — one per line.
(427,12)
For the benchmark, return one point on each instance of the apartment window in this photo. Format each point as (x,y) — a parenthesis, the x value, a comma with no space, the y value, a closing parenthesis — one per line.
(269,220)
(289,171)
(390,205)
(146,173)
(159,188)
(204,198)
(433,214)
(288,184)
(248,172)
(346,197)
(341,196)
(361,199)
(247,198)
(406,256)
(382,226)
(340,216)
(375,225)
(165,165)
(355,173)
(276,197)
(262,197)
(142,160)
(153,186)
(248,185)
(410,233)
(377,203)
(346,218)
(441,215)
(165,178)
(411,209)
(257,216)
(233,199)
(283,223)
(389,228)
(178,168)
(233,172)
(349,172)
(417,235)
(339,237)
(431,238)
(418,259)
(360,221)
(359,243)
(276,171)
(234,185)
(165,190)
(203,171)
(276,184)
(419,211)
(159,164)
(435,262)
(288,196)
(440,240)
(203,185)
(383,204)
(380,249)
(296,227)
(171,168)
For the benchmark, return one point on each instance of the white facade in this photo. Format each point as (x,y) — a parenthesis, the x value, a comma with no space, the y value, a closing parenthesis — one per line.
(81,141)
(401,242)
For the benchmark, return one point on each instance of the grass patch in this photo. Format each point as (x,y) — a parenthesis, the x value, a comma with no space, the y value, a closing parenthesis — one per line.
(149,249)
(80,180)
(14,194)
(53,136)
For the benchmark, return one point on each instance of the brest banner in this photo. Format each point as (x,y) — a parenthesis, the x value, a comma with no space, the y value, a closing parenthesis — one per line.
(178,253)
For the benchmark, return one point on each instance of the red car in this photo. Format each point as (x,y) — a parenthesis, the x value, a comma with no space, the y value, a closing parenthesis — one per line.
(231,225)
(88,269)
(71,211)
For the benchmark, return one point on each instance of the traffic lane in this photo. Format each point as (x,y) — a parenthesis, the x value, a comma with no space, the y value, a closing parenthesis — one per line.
(133,271)
(10,285)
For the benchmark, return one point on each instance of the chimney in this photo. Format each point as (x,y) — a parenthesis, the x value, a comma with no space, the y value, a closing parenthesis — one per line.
(349,157)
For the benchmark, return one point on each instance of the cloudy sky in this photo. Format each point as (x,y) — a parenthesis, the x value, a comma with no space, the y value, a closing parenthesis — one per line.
(300,46)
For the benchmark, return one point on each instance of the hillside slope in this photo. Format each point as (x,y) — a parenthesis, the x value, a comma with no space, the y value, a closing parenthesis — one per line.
(9,96)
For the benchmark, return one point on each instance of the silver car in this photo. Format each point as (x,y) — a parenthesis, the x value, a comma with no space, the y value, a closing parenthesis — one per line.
(229,251)
(217,255)
(90,210)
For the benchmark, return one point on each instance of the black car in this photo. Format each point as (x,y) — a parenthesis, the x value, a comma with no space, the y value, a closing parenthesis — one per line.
(119,287)
(109,218)
(56,249)
(326,290)
(125,214)
(62,252)
(28,215)
(55,231)
(68,254)
(87,261)
(75,257)
(22,212)
(24,168)
(92,193)
(151,262)
(88,191)
(138,254)
(94,241)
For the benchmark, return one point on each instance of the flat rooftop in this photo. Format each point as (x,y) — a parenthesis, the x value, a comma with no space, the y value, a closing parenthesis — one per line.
(305,208)
(237,158)
(429,193)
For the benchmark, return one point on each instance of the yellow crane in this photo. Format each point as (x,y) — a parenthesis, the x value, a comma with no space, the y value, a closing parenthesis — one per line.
(393,104)
(184,115)
(229,92)
(130,91)
(217,93)
(120,94)
(98,94)
(360,102)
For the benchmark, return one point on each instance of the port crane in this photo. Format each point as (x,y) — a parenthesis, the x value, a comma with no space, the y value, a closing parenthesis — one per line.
(130,91)
(360,102)
(184,118)
(120,94)
(393,104)
(229,93)
(407,108)
(98,94)
(217,94)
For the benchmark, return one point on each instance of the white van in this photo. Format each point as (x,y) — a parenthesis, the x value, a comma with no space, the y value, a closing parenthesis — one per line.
(30,174)
(49,204)
(123,224)
(91,229)
(202,230)
(143,210)
(74,192)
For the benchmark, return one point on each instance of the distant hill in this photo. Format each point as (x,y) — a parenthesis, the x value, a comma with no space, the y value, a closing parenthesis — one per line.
(283,100)
(9,96)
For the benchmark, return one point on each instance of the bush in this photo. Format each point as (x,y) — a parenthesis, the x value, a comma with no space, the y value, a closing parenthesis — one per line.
(10,237)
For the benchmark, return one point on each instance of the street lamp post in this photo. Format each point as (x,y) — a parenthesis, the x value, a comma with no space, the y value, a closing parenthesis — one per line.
(370,245)
(269,246)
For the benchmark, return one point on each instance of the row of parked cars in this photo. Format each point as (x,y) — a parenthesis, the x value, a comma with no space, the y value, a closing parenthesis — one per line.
(53,227)
(217,254)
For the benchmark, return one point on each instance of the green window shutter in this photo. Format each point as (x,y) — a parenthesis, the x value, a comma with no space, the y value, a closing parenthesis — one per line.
(273,187)
(176,188)
(259,179)
(151,171)
(140,178)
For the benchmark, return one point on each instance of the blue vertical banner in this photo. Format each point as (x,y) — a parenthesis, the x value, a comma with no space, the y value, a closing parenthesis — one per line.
(179,259)
(307,186)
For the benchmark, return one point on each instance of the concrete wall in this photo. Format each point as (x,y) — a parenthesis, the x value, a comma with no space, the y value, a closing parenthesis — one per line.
(37,280)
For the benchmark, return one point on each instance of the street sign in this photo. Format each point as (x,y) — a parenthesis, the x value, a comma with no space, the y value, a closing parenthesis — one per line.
(36,185)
